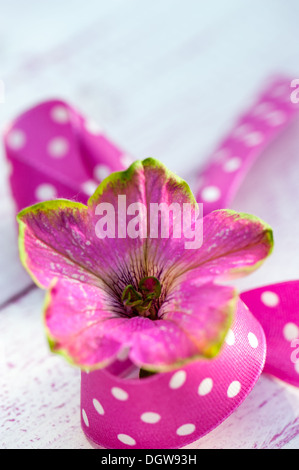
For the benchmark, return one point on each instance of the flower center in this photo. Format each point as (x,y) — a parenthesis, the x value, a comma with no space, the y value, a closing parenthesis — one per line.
(143,301)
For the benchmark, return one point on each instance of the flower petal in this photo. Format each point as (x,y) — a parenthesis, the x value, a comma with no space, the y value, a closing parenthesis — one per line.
(234,244)
(75,317)
(162,347)
(53,240)
(204,312)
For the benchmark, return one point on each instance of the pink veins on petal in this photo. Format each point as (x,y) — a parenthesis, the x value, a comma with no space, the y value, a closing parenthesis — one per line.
(150,295)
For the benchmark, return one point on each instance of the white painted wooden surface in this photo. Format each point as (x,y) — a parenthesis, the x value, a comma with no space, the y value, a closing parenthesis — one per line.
(166,79)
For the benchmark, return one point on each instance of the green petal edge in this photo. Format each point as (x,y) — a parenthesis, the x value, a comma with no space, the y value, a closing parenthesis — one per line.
(47,207)
(120,179)
(53,343)
(268,232)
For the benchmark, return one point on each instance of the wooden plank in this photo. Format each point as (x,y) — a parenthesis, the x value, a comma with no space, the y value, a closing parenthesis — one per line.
(40,393)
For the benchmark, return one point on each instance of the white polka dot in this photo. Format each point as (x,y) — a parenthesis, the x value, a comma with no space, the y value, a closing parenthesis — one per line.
(126,160)
(93,127)
(100,172)
(262,108)
(233,389)
(178,379)
(119,394)
(89,187)
(233,164)
(85,419)
(221,154)
(270,299)
(253,139)
(125,439)
(242,130)
(58,147)
(290,331)
(276,118)
(205,386)
(210,193)
(280,91)
(150,417)
(185,430)
(253,341)
(60,114)
(230,337)
(297,367)
(16,139)
(98,407)
(45,192)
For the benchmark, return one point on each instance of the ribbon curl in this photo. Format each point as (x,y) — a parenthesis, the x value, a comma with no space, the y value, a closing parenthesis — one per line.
(55,152)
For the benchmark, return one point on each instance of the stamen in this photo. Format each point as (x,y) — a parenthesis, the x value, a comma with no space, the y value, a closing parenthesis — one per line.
(143,302)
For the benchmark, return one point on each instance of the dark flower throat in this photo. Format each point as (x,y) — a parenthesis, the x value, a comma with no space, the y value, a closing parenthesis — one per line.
(143,302)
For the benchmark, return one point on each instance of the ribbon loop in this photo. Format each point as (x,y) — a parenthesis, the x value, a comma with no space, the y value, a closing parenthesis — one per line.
(276,307)
(55,152)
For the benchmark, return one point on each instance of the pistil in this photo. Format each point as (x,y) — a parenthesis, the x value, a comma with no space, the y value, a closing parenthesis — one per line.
(143,301)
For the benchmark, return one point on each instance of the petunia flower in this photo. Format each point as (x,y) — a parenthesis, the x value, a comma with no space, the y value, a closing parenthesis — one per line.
(150,296)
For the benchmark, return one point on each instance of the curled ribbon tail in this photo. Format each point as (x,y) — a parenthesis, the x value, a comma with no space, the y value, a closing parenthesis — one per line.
(55,152)
(276,307)
(218,182)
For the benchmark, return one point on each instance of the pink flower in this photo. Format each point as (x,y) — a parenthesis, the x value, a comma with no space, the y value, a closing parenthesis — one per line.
(152,296)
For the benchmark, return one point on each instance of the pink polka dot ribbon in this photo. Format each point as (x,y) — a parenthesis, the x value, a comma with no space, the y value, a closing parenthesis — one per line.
(173,409)
(218,182)
(55,152)
(276,307)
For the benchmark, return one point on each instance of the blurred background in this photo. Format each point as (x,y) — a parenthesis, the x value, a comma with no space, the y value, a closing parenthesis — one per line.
(166,79)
